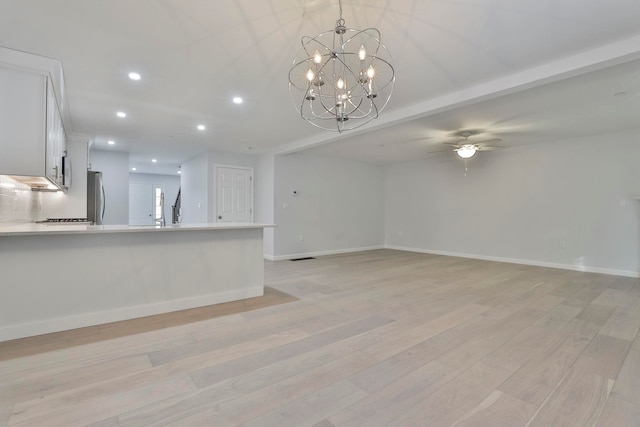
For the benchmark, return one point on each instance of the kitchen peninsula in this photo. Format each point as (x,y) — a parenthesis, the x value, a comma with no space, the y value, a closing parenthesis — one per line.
(60,277)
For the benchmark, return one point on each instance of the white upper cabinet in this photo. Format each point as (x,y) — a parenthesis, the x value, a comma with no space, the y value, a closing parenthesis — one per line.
(22,122)
(33,119)
(32,136)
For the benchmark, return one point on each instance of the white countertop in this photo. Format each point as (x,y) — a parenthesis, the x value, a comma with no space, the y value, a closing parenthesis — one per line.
(53,228)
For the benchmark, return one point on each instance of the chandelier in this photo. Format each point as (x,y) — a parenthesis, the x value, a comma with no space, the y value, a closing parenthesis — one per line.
(342,78)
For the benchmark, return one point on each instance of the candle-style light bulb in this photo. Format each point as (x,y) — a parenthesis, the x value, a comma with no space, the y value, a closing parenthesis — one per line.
(310,75)
(317,58)
(371,72)
(340,83)
(362,53)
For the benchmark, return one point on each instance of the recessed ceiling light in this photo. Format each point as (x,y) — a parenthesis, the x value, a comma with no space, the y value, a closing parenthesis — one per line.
(154,160)
(201,127)
(237,100)
(111,142)
(248,149)
(121,114)
(134,169)
(134,76)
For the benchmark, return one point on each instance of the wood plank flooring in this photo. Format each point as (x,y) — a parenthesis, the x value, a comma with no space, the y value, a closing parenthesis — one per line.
(377,338)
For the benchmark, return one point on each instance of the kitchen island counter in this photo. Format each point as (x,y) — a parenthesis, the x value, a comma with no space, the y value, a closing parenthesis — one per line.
(60,277)
(30,228)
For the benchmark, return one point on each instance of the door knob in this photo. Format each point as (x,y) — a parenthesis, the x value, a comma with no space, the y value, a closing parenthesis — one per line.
(219,216)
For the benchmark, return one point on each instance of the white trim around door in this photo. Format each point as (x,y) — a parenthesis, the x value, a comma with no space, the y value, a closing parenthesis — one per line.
(233,193)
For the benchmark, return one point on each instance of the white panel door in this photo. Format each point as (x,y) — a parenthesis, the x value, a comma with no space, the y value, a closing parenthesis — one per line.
(141,204)
(234,191)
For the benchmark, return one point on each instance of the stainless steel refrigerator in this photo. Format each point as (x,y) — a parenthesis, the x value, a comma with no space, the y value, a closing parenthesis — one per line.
(96,200)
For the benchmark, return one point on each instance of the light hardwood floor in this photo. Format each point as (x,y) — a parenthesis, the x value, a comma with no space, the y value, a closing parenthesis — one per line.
(379,338)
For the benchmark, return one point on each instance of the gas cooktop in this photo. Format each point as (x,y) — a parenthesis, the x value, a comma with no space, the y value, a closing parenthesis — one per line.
(65,221)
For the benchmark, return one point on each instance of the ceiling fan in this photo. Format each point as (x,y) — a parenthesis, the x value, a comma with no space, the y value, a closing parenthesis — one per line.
(467,149)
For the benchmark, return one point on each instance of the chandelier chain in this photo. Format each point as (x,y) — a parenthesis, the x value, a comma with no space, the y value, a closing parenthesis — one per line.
(340,7)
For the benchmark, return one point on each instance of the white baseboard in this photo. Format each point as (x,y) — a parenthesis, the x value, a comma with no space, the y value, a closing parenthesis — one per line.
(321,253)
(586,269)
(99,318)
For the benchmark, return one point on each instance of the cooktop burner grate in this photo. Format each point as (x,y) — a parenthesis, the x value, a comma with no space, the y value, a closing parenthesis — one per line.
(65,220)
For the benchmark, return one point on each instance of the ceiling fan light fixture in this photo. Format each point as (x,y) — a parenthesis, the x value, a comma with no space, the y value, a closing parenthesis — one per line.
(466,151)
(342,78)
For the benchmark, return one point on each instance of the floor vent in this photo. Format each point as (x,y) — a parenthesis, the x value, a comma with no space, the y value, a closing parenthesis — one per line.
(302,259)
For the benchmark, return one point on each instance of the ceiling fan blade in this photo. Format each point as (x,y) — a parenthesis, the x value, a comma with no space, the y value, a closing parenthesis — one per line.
(454,144)
(490,147)
(440,151)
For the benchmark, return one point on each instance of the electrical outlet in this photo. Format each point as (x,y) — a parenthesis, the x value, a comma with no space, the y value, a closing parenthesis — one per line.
(622,203)
(301,237)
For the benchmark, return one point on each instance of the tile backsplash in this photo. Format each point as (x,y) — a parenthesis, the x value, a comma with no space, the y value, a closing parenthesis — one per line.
(17,202)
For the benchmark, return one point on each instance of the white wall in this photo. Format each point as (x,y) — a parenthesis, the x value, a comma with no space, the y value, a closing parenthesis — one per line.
(264,200)
(114,166)
(195,190)
(170,185)
(524,204)
(339,205)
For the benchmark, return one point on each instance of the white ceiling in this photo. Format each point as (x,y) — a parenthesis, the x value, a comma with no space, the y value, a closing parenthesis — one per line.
(606,100)
(525,71)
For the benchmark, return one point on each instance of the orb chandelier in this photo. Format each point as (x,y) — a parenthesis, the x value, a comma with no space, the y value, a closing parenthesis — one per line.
(342,78)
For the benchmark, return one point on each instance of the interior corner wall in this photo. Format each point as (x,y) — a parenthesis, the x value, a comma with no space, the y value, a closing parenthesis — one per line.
(114,166)
(567,204)
(195,190)
(264,197)
(338,205)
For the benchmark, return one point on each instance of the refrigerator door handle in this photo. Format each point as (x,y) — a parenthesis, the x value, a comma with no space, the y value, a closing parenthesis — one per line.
(104,202)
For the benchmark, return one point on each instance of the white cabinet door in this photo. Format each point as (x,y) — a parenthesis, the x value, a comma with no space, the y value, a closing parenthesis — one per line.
(22,123)
(32,137)
(56,140)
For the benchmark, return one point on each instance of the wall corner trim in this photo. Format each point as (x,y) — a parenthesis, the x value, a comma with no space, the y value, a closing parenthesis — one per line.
(584,269)
(321,253)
